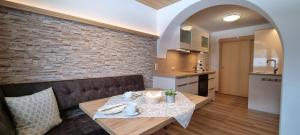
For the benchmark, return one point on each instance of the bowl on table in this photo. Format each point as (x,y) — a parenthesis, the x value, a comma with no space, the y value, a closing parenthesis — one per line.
(153,97)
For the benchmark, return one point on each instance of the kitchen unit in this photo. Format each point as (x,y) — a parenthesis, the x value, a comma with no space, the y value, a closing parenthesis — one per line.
(264,82)
(264,92)
(211,86)
(195,83)
(194,38)
(267,46)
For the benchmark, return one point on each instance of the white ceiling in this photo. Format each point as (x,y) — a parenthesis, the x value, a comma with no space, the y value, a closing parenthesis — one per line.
(211,19)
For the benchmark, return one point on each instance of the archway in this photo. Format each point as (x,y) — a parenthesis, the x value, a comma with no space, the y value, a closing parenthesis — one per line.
(168,32)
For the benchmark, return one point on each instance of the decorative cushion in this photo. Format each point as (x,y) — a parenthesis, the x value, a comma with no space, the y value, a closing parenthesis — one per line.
(35,114)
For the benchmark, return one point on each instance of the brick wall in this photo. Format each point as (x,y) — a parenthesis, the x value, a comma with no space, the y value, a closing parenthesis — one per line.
(35,48)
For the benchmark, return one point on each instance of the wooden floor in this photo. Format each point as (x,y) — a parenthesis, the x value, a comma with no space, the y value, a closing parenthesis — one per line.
(228,115)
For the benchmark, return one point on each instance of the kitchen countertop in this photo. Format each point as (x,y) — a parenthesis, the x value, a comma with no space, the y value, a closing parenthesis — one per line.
(182,74)
(264,73)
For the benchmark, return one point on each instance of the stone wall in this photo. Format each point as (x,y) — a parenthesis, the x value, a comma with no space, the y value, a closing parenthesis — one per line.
(37,48)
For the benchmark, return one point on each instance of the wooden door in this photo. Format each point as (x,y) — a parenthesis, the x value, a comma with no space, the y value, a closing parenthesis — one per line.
(235,62)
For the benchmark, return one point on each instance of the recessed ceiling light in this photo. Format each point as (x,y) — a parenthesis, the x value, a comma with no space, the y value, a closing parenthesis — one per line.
(231,17)
(187,28)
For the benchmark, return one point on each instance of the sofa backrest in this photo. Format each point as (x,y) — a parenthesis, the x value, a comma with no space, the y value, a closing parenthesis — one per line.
(70,93)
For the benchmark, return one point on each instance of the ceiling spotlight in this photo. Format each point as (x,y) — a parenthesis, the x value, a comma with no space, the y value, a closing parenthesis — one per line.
(231,17)
(187,28)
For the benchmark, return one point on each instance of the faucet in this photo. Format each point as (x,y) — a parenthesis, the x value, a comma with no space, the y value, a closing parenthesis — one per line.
(275,68)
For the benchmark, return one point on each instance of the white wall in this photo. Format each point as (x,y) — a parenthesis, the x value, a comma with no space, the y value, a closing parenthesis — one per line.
(164,17)
(124,13)
(214,43)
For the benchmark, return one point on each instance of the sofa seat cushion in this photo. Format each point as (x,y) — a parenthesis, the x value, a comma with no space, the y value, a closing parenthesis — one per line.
(71,113)
(80,125)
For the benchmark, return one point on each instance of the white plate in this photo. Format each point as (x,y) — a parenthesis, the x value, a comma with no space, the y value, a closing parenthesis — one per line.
(114,110)
(133,114)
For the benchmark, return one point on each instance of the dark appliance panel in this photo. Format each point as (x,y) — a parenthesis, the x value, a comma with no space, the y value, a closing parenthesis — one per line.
(203,85)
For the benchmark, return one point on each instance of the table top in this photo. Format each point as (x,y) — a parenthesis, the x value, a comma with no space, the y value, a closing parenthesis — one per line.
(134,126)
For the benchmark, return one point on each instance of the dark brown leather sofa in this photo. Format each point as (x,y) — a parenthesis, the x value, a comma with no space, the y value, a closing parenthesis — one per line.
(69,94)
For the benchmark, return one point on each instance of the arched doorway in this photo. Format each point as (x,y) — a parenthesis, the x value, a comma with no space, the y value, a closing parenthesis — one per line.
(170,26)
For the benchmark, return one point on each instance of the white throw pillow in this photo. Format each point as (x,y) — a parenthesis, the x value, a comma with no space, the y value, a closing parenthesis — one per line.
(35,114)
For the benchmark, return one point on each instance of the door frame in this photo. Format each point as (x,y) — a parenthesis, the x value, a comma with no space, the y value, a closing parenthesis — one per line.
(235,39)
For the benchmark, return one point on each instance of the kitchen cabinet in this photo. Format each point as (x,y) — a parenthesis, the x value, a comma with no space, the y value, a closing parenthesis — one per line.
(196,39)
(185,39)
(264,93)
(188,84)
(200,40)
(183,84)
(211,86)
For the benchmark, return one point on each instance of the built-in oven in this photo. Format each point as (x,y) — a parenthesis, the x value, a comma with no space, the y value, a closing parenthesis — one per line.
(203,85)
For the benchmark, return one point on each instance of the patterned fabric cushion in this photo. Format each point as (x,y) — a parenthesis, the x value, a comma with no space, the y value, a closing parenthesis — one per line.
(34,114)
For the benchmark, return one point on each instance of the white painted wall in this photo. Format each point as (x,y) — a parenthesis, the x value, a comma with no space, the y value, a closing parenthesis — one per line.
(214,43)
(124,13)
(164,17)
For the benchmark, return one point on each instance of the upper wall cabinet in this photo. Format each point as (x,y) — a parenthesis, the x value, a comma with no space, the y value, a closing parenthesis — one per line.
(185,39)
(195,39)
